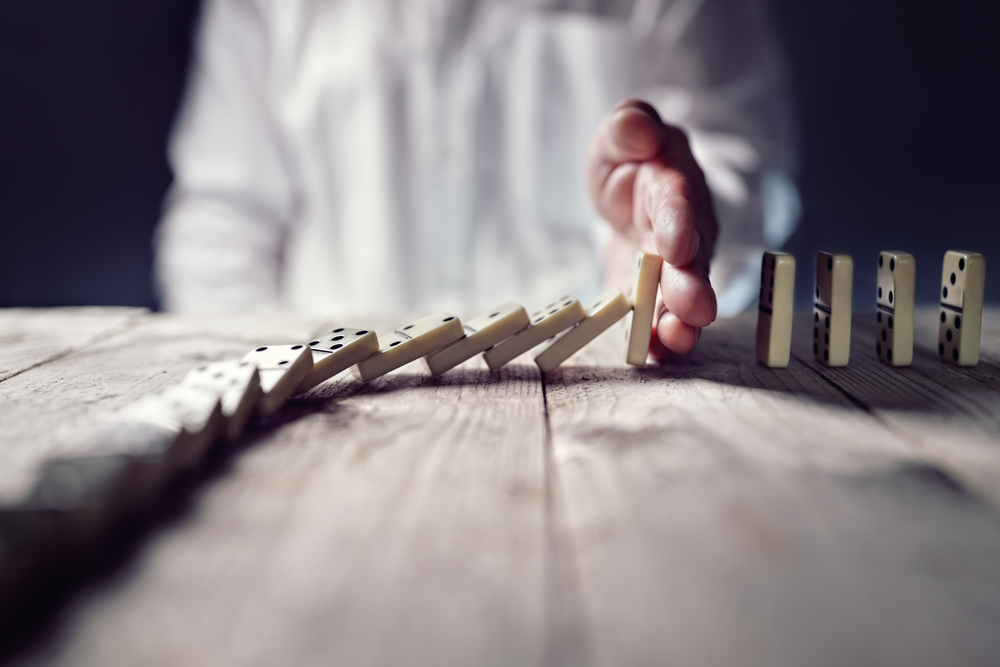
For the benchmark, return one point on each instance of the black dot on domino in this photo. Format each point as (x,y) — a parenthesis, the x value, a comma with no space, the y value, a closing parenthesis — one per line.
(337,330)
(892,264)
(954,355)
(880,292)
(217,376)
(958,322)
(890,296)
(815,317)
(282,363)
(554,310)
(539,320)
(829,264)
(817,291)
(888,354)
(953,279)
(296,347)
(943,317)
(395,343)
(448,319)
(494,314)
(940,348)
(948,335)
(260,349)
(772,263)
(827,321)
(407,327)
(890,321)
(314,343)
(567,303)
(336,338)
(878,317)
(361,333)
(961,264)
(337,346)
(880,261)
(944,292)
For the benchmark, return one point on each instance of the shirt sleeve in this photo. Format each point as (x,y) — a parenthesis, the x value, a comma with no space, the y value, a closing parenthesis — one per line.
(713,68)
(220,240)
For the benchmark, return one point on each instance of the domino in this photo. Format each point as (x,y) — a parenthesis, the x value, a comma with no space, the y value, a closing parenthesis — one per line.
(282,369)
(832,308)
(774,309)
(611,307)
(639,322)
(237,384)
(545,323)
(897,280)
(963,281)
(413,341)
(336,352)
(481,333)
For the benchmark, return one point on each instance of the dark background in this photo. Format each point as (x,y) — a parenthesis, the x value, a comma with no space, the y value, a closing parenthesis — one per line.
(898,105)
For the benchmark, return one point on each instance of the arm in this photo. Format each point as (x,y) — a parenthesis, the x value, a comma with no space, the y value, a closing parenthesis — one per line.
(707,67)
(219,243)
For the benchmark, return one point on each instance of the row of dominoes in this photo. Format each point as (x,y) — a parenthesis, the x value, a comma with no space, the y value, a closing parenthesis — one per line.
(963,279)
(143,448)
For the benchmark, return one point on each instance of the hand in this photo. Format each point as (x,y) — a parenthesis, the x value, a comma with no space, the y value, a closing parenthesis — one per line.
(644,180)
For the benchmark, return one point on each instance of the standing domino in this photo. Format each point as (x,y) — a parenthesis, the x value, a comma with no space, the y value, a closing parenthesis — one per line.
(337,352)
(774,309)
(639,322)
(282,369)
(897,279)
(832,308)
(413,341)
(963,280)
(481,333)
(611,307)
(545,323)
(236,383)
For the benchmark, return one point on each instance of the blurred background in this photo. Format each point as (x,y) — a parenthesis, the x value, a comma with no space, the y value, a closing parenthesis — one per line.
(897,102)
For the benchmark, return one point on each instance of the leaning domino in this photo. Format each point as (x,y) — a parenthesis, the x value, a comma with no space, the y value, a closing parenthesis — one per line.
(481,333)
(963,280)
(545,323)
(413,341)
(832,308)
(611,307)
(282,369)
(639,322)
(336,352)
(774,309)
(897,279)
(236,383)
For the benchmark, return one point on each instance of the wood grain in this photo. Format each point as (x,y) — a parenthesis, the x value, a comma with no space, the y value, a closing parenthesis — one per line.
(719,512)
(30,337)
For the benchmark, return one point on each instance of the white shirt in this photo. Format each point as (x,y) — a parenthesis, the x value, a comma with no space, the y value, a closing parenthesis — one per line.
(378,155)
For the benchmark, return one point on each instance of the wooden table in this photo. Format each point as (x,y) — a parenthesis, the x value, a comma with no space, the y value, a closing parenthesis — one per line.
(707,512)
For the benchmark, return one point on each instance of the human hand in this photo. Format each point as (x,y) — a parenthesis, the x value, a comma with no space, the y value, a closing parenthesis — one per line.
(644,180)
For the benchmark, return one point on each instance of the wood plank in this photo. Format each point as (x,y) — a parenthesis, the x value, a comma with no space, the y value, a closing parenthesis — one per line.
(48,407)
(29,337)
(400,522)
(951,414)
(719,512)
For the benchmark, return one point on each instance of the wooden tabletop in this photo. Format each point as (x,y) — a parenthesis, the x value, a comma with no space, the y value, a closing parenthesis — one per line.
(709,511)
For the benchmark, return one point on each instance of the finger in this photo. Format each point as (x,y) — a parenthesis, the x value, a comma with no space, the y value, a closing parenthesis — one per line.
(673,202)
(631,133)
(676,336)
(687,292)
